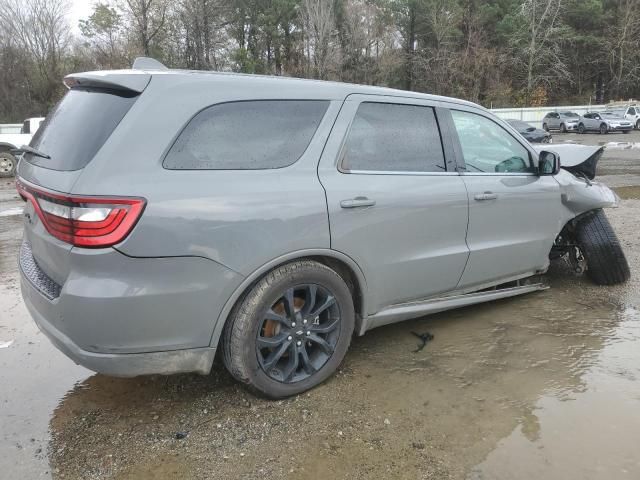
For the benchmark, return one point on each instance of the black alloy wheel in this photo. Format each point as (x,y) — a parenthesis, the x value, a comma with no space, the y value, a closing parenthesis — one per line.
(299,333)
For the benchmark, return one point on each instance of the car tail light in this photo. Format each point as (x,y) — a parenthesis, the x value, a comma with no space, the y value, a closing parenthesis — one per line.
(84,221)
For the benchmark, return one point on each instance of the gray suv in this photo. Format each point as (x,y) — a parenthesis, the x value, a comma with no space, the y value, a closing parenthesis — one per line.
(562,121)
(173,214)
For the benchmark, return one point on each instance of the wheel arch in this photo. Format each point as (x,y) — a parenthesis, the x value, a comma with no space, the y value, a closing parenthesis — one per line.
(5,147)
(341,263)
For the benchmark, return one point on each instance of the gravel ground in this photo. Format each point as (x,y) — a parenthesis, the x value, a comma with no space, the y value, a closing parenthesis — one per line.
(541,386)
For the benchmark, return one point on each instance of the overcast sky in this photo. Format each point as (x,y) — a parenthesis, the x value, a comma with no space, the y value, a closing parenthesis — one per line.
(79,9)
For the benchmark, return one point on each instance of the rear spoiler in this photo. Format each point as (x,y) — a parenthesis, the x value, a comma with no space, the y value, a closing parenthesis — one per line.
(127,80)
(134,80)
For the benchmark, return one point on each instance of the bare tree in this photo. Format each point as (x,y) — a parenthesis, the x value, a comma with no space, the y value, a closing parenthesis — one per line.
(204,31)
(148,18)
(624,46)
(539,41)
(318,21)
(39,28)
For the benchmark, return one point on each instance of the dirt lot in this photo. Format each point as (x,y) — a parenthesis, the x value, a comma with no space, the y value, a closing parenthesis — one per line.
(542,386)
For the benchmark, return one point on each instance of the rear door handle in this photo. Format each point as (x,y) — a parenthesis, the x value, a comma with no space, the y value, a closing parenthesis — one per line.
(485,196)
(357,202)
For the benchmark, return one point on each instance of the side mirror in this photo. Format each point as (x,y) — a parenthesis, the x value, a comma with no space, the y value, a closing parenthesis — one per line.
(548,163)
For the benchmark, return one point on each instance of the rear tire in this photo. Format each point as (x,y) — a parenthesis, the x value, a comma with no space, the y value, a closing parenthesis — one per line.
(272,319)
(8,164)
(638,125)
(626,131)
(545,127)
(606,263)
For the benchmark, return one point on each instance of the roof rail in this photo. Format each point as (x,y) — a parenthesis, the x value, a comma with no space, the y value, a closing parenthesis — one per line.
(147,63)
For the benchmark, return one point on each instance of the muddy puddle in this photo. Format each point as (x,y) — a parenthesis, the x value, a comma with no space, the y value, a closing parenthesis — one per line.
(541,386)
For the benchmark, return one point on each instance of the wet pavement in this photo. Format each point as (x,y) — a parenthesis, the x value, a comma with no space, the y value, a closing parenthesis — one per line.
(541,386)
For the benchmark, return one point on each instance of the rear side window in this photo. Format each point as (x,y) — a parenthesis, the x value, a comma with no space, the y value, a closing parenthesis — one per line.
(78,126)
(247,135)
(632,111)
(392,137)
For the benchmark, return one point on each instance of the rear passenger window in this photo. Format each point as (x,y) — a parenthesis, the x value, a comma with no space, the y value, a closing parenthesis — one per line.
(247,135)
(390,137)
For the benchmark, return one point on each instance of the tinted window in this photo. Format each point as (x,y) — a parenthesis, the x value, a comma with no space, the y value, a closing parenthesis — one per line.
(247,135)
(632,111)
(77,127)
(487,147)
(391,137)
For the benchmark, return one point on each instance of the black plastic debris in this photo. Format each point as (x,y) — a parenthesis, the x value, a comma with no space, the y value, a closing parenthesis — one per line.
(181,435)
(424,338)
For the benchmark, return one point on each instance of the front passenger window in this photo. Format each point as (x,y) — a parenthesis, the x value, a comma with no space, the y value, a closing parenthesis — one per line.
(487,147)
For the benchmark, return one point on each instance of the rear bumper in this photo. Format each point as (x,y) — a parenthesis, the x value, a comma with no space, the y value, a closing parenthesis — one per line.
(127,316)
(119,365)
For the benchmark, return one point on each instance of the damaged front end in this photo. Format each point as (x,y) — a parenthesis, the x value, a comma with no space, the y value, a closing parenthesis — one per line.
(580,194)
(581,198)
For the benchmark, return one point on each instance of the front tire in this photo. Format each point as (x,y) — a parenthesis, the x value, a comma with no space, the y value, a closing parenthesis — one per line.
(291,331)
(563,128)
(8,164)
(603,129)
(545,127)
(606,263)
(581,128)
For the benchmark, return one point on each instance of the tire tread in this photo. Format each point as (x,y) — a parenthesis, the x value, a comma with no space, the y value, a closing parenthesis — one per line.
(606,262)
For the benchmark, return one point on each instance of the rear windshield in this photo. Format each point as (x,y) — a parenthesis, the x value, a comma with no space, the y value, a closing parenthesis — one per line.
(78,126)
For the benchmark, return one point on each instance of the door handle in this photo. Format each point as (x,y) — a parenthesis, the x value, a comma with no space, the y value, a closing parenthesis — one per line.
(485,196)
(357,202)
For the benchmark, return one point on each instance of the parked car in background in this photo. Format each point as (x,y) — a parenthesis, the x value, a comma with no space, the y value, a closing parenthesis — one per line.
(532,134)
(563,121)
(12,141)
(603,122)
(630,112)
(170,214)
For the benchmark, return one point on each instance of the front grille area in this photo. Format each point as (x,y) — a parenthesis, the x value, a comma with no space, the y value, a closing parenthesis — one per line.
(35,275)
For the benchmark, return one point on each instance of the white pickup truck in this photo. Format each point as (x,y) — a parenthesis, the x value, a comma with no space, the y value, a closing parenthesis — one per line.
(9,141)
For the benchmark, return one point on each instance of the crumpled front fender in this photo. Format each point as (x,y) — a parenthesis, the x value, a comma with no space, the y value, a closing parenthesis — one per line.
(579,196)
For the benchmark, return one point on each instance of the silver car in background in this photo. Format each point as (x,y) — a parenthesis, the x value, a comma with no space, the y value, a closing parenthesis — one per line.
(174,214)
(630,112)
(562,121)
(603,122)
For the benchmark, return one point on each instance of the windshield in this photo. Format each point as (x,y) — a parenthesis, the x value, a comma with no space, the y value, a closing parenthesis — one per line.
(78,126)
